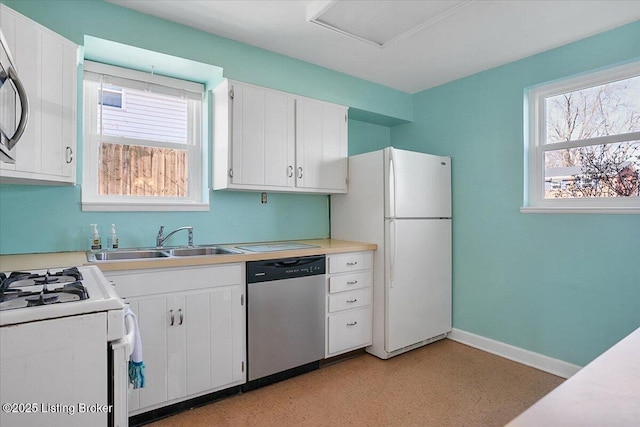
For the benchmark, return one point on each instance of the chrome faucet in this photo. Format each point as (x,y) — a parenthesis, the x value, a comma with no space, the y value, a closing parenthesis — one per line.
(161,239)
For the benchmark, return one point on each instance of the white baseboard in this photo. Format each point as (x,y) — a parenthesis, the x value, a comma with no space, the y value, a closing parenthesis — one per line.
(517,354)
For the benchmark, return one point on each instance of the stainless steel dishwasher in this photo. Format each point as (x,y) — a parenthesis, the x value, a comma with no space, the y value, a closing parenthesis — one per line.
(285,317)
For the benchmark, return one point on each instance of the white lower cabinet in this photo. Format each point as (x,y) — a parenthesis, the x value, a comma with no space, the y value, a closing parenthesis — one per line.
(192,325)
(349,330)
(349,297)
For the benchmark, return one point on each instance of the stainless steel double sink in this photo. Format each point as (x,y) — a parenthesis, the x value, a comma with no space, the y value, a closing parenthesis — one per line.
(148,253)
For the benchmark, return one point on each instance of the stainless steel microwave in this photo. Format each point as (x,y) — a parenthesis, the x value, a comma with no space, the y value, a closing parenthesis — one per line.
(14,106)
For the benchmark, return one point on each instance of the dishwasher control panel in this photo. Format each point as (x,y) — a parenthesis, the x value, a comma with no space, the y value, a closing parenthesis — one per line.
(285,268)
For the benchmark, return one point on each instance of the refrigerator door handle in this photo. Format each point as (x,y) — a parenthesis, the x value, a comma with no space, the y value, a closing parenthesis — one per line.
(392,185)
(392,251)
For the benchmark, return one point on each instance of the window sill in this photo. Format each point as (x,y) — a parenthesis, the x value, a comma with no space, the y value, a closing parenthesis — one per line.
(580,210)
(144,207)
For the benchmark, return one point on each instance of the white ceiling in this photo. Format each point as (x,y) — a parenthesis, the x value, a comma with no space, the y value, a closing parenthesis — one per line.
(450,40)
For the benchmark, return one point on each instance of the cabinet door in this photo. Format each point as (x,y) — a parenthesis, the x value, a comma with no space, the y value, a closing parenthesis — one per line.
(176,346)
(58,95)
(262,137)
(227,336)
(198,341)
(47,66)
(152,322)
(321,145)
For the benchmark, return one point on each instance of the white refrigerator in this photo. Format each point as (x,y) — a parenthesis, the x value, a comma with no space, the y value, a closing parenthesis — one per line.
(401,200)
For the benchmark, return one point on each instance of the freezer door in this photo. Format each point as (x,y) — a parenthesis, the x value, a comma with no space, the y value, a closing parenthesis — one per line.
(417,185)
(417,281)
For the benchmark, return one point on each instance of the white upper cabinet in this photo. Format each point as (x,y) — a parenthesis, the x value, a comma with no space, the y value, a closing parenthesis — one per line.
(267,140)
(321,146)
(254,137)
(47,66)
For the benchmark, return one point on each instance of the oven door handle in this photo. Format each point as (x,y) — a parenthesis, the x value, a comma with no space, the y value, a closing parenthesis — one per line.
(130,336)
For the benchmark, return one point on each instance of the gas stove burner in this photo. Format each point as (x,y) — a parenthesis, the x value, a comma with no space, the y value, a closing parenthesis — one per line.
(79,291)
(22,279)
(41,299)
(24,289)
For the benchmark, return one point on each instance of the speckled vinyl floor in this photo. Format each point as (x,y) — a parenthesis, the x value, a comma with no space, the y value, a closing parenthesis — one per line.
(443,384)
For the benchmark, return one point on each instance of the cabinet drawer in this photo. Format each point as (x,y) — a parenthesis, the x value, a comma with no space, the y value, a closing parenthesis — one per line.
(349,262)
(348,300)
(347,282)
(349,330)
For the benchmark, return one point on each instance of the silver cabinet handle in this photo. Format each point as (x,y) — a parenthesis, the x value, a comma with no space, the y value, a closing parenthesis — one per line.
(173,318)
(289,171)
(300,172)
(69,153)
(352,282)
(351,301)
(181,316)
(352,324)
(351,264)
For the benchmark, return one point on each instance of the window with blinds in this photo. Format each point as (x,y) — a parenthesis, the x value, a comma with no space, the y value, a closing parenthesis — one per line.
(143,148)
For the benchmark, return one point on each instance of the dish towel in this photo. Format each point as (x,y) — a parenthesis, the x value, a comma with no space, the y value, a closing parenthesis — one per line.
(136,365)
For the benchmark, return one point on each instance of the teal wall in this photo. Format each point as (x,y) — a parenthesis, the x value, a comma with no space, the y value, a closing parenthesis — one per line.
(567,286)
(365,137)
(47,219)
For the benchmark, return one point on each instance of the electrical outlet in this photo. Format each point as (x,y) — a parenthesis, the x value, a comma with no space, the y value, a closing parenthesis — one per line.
(264,198)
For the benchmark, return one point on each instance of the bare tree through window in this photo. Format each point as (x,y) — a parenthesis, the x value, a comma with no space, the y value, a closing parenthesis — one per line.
(593,169)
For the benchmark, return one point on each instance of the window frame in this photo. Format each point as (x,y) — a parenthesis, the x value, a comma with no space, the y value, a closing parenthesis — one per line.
(535,146)
(197,199)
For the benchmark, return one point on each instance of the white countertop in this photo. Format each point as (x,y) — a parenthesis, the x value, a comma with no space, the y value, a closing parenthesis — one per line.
(606,392)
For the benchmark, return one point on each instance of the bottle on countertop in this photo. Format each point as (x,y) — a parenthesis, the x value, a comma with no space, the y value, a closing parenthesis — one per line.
(96,242)
(112,242)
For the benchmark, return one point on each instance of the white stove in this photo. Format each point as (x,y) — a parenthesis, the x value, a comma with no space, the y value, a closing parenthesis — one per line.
(63,317)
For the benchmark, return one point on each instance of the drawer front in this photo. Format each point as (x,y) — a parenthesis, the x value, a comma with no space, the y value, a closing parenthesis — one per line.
(348,300)
(349,262)
(347,282)
(349,330)
(154,281)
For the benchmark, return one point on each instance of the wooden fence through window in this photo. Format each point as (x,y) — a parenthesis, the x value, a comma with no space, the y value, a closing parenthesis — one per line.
(131,170)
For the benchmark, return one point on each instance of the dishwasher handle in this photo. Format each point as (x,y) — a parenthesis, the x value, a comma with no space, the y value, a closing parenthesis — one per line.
(287,262)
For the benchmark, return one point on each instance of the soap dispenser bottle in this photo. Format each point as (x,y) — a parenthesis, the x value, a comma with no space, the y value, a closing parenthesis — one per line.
(112,242)
(96,242)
